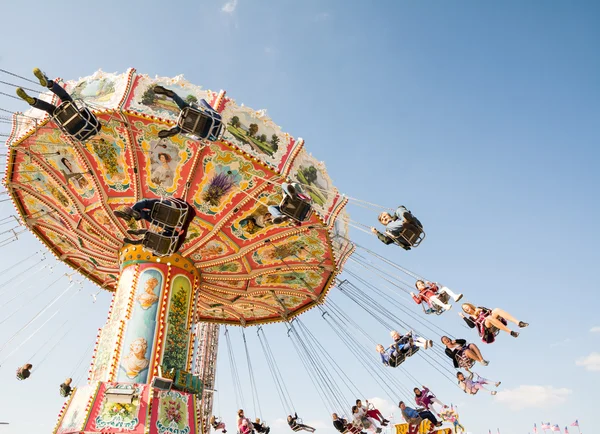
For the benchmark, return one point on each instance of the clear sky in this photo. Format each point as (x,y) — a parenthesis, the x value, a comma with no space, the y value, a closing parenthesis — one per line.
(482,117)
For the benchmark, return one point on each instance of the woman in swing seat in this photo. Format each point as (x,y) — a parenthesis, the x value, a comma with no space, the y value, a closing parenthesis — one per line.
(463,354)
(488,321)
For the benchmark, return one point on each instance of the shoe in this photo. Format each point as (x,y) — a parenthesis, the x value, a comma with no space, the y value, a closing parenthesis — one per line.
(378,430)
(498,383)
(137,231)
(386,421)
(278,220)
(458,297)
(163,91)
(448,307)
(440,423)
(163,134)
(523,324)
(485,363)
(134,242)
(430,343)
(494,392)
(23,95)
(41,77)
(514,334)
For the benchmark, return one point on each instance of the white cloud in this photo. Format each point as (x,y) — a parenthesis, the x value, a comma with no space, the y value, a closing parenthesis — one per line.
(230,6)
(595,329)
(590,362)
(533,396)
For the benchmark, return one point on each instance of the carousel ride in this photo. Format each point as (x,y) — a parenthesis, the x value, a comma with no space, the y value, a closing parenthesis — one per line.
(224,241)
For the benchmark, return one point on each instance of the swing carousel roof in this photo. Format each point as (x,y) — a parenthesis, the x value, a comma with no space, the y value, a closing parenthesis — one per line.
(252,271)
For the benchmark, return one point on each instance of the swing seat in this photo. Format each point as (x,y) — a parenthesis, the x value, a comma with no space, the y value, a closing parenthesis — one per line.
(434,308)
(296,208)
(78,123)
(171,213)
(411,235)
(169,221)
(160,245)
(201,121)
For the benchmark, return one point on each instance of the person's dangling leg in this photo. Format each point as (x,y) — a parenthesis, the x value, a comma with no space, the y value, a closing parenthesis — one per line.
(143,208)
(478,356)
(375,414)
(435,300)
(181,103)
(59,91)
(36,102)
(446,290)
(491,321)
(471,355)
(507,316)
(54,87)
(277,215)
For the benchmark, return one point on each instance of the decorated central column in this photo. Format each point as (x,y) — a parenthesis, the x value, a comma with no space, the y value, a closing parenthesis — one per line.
(147,335)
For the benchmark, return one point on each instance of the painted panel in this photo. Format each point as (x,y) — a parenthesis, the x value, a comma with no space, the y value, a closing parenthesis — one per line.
(76,414)
(177,339)
(117,417)
(174,413)
(138,343)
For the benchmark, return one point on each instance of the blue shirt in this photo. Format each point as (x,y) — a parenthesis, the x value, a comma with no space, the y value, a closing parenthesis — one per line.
(386,355)
(410,412)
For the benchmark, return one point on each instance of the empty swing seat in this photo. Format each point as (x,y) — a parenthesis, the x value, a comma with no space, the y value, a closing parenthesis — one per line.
(201,121)
(296,208)
(78,123)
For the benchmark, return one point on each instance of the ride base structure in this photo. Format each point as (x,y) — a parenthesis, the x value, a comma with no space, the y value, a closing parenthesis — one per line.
(151,314)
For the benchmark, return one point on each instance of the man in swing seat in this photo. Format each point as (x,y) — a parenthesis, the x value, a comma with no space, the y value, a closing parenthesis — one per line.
(414,417)
(401,228)
(198,120)
(295,426)
(260,427)
(78,123)
(295,205)
(171,216)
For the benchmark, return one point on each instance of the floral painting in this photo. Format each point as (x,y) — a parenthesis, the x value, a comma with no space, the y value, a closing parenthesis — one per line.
(177,340)
(173,415)
(124,416)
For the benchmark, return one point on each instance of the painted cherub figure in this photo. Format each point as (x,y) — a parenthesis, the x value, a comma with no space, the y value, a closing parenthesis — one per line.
(136,360)
(147,297)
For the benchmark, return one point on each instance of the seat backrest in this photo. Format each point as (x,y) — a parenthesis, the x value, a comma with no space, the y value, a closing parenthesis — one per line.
(296,209)
(199,121)
(159,244)
(79,123)
(168,214)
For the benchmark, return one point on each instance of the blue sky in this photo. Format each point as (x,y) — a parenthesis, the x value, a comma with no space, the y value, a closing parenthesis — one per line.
(481,117)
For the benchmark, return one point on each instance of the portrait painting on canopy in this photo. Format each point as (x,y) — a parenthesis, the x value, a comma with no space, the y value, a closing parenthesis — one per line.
(138,340)
(164,158)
